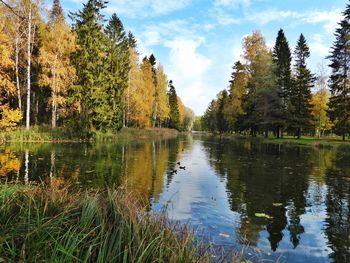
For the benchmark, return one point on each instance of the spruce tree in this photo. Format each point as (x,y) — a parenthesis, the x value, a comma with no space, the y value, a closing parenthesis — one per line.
(118,72)
(174,120)
(222,124)
(282,59)
(89,93)
(56,11)
(339,80)
(301,90)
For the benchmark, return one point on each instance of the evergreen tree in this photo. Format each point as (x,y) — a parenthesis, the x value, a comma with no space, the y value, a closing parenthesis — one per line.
(118,72)
(282,60)
(56,11)
(339,80)
(89,93)
(301,90)
(132,40)
(222,125)
(209,121)
(237,90)
(174,116)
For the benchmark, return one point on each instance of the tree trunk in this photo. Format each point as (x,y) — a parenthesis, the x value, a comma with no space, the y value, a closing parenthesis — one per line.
(17,74)
(29,65)
(54,103)
(298,132)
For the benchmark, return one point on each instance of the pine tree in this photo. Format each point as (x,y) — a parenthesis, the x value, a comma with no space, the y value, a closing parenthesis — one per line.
(339,80)
(301,90)
(174,120)
(282,59)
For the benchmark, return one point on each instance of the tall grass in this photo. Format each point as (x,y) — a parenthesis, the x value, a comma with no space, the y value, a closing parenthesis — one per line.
(49,225)
(46,133)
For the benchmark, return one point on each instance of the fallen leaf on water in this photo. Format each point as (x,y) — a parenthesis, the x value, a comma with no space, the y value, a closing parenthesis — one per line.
(224,235)
(263,215)
(277,204)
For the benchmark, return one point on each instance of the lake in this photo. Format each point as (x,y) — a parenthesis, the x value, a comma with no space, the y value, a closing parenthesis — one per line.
(289,203)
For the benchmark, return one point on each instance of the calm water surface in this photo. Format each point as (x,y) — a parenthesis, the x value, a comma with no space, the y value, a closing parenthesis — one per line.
(304,192)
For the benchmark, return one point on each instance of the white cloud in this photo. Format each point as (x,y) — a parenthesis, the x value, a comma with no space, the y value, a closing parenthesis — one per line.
(232,3)
(146,8)
(318,46)
(329,19)
(189,70)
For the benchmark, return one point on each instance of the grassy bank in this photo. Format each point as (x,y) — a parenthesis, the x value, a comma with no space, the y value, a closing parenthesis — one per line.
(46,134)
(50,225)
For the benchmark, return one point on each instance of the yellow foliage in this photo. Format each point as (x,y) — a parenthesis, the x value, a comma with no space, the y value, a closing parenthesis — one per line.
(182,111)
(7,87)
(8,163)
(319,102)
(9,118)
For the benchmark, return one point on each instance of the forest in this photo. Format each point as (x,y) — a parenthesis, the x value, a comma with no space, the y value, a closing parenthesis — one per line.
(86,76)
(275,92)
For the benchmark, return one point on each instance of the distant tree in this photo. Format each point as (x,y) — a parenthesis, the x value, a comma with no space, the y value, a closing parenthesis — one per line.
(301,90)
(222,100)
(174,116)
(189,119)
(197,124)
(209,119)
(56,12)
(339,80)
(282,59)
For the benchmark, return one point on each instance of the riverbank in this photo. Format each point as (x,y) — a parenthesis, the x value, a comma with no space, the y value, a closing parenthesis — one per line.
(304,140)
(52,225)
(46,134)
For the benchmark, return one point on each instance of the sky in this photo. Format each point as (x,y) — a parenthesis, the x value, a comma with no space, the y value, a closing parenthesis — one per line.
(198,41)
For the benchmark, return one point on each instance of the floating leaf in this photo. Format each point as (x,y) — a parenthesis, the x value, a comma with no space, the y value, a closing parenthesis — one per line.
(262,215)
(277,204)
(224,235)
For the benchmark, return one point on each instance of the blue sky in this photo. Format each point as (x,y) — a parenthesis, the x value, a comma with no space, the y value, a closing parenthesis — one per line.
(198,41)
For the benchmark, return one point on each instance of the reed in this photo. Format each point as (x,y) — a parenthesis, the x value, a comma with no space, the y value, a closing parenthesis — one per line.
(41,224)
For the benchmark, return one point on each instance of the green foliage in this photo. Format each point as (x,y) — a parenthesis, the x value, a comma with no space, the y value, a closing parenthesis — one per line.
(174,116)
(339,80)
(301,90)
(118,73)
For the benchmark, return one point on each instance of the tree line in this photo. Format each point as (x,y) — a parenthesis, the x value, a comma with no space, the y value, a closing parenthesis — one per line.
(86,76)
(274,91)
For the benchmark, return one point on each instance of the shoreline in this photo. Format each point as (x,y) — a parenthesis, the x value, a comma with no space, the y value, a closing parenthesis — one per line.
(45,135)
(287,140)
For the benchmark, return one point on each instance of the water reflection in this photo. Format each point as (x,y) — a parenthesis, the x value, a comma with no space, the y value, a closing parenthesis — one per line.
(221,190)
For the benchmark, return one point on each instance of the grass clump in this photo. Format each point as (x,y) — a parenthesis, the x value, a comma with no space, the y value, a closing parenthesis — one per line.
(49,225)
